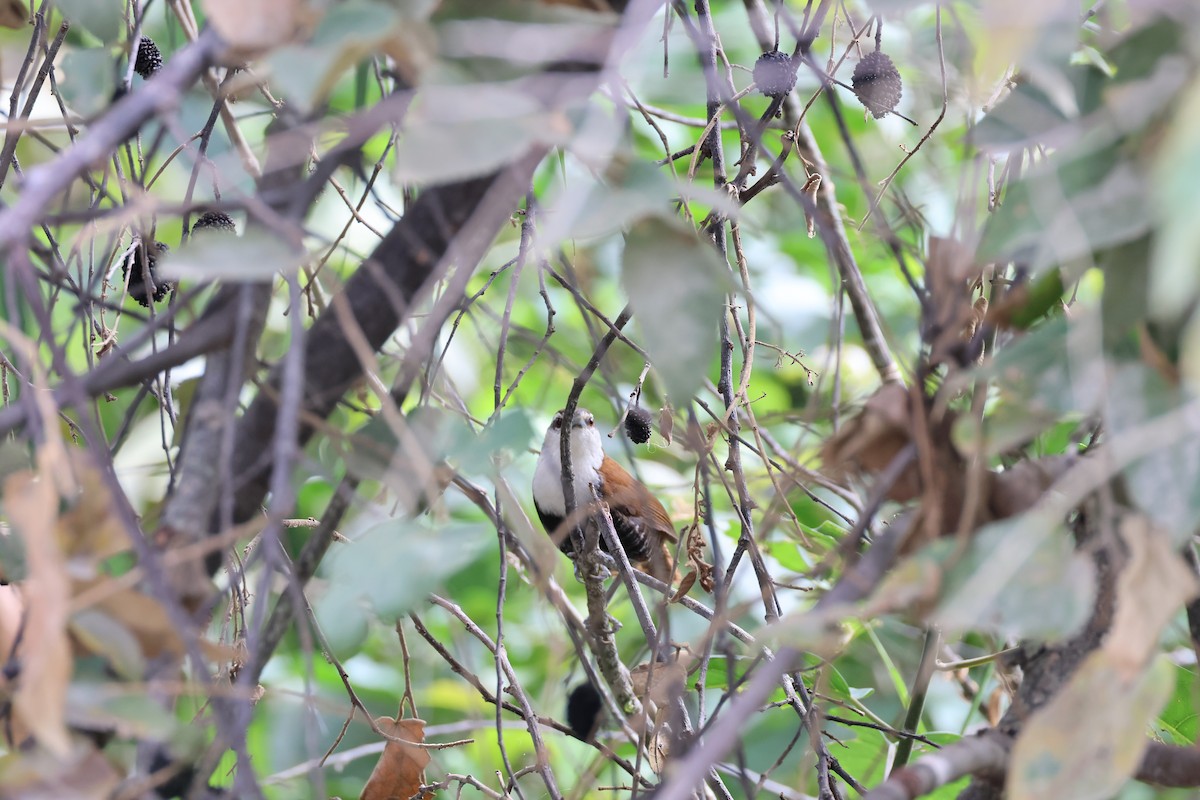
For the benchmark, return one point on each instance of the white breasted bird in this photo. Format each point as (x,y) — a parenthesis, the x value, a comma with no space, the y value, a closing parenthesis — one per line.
(640,521)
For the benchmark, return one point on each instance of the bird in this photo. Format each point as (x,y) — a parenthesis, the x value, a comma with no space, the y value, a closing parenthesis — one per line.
(639,519)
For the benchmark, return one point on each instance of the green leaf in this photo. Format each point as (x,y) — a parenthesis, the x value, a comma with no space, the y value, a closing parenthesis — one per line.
(510,433)
(348,33)
(1178,720)
(1175,265)
(105,636)
(215,255)
(388,571)
(628,193)
(1020,577)
(104,19)
(1166,483)
(458,132)
(88,78)
(677,286)
(1041,378)
(1126,277)
(94,705)
(375,452)
(1025,116)
(1085,198)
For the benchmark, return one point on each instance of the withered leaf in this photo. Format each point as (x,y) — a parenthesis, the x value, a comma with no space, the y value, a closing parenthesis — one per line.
(13,14)
(251,28)
(45,651)
(1154,584)
(399,773)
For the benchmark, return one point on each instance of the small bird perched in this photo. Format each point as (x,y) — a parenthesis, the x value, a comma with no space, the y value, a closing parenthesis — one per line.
(641,523)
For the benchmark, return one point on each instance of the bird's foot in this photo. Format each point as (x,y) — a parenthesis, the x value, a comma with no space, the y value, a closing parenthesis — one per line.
(603,567)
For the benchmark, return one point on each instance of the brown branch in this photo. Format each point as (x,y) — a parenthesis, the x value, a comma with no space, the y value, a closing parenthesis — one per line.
(1170,765)
(984,755)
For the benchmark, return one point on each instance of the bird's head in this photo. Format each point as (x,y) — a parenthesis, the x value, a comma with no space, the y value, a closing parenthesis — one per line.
(585,438)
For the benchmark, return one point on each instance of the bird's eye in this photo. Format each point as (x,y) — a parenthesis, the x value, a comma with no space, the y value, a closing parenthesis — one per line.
(556,424)
(590,422)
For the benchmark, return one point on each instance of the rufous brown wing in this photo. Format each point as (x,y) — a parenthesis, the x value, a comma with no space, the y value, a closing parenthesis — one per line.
(641,522)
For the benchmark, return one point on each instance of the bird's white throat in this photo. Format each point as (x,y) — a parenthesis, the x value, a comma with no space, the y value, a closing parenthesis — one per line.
(587,454)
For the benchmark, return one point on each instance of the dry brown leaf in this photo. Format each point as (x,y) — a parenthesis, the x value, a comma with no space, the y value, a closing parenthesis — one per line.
(146,619)
(950,273)
(253,28)
(661,684)
(89,531)
(83,774)
(13,14)
(399,773)
(1015,490)
(694,541)
(685,586)
(11,612)
(1154,584)
(666,423)
(45,652)
(869,441)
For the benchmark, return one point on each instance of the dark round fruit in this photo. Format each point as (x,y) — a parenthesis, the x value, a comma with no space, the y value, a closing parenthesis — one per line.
(877,83)
(584,706)
(637,424)
(214,220)
(134,274)
(149,59)
(775,74)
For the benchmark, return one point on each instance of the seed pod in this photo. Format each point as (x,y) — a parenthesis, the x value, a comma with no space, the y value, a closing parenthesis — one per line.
(584,706)
(214,220)
(134,275)
(149,59)
(637,425)
(775,74)
(877,83)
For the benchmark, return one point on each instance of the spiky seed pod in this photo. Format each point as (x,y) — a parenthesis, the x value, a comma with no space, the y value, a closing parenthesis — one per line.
(214,220)
(877,83)
(149,59)
(775,74)
(637,424)
(131,268)
(584,706)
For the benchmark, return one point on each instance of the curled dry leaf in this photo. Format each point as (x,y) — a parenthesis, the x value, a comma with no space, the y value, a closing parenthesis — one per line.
(13,14)
(40,699)
(83,774)
(253,28)
(950,274)
(89,532)
(685,586)
(1154,584)
(869,442)
(694,541)
(11,613)
(141,615)
(1015,490)
(400,772)
(660,681)
(666,423)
